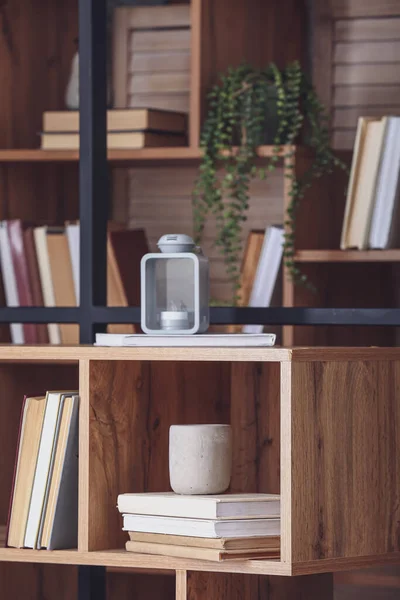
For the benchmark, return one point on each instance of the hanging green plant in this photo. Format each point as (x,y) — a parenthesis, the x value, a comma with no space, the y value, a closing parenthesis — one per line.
(248,108)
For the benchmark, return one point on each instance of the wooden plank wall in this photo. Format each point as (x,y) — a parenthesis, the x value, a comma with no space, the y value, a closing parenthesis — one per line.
(160,201)
(357,64)
(36,48)
(152,57)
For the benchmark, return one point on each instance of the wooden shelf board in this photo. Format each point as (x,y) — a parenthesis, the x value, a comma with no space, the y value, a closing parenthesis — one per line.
(121,558)
(72,354)
(49,354)
(333,565)
(120,156)
(314,256)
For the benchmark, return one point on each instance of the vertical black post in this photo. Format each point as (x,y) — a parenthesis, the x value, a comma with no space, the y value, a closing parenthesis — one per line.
(93,199)
(92,583)
(93,170)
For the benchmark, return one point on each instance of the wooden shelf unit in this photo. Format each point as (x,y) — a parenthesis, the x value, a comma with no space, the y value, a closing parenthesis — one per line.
(121,157)
(342,279)
(42,186)
(338,256)
(297,416)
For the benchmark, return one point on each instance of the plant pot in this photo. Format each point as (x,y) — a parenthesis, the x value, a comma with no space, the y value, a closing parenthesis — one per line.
(200,458)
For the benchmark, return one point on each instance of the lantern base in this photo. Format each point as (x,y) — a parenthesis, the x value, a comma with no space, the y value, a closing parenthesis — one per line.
(172,320)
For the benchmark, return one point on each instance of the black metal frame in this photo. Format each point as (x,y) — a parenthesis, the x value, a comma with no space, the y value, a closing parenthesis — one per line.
(94,318)
(92,315)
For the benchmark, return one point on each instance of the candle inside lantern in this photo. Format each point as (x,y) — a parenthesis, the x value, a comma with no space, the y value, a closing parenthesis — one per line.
(175,318)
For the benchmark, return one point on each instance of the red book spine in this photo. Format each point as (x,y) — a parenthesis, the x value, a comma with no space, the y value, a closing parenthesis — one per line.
(16,239)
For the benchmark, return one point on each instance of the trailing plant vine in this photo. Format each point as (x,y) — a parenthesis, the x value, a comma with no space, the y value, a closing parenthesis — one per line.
(249,108)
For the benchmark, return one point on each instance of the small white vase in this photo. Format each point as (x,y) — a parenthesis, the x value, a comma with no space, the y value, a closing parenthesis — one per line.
(72,92)
(200,458)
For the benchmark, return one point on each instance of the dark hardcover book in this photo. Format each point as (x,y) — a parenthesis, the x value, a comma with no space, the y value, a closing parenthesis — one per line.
(34,278)
(129,247)
(125,251)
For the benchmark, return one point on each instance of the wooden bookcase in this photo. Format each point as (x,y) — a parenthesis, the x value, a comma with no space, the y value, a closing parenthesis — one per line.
(298,415)
(319,426)
(42,186)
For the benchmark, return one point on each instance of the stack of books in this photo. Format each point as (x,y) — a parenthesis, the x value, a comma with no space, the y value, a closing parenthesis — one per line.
(126,129)
(40,267)
(44,499)
(371,217)
(215,528)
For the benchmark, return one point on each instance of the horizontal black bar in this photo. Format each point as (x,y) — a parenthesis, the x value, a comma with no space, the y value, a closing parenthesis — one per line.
(387,317)
(229,315)
(38,314)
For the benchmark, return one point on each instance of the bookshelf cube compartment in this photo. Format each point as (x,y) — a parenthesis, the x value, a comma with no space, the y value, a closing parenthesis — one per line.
(345,285)
(133,404)
(319,426)
(16,381)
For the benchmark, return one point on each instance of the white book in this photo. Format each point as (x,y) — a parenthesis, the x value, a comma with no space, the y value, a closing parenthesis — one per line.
(353,179)
(223,506)
(10,282)
(43,465)
(205,340)
(363,194)
(73,233)
(202,527)
(387,190)
(50,471)
(46,279)
(266,274)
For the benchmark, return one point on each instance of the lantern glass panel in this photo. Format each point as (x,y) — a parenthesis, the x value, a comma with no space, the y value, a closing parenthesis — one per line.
(170,285)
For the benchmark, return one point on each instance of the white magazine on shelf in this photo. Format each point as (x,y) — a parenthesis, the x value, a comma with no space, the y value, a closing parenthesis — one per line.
(204,340)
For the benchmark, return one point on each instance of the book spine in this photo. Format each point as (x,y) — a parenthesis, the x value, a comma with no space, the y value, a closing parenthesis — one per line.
(35,283)
(10,504)
(18,257)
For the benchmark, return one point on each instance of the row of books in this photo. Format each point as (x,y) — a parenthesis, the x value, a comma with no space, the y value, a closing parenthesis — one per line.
(126,129)
(40,267)
(371,214)
(44,499)
(216,528)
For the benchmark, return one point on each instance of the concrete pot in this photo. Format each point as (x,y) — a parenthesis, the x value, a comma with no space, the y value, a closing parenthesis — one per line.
(200,458)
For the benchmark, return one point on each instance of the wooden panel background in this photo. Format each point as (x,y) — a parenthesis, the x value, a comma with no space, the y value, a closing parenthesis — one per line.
(37,43)
(38,582)
(139,586)
(161,202)
(256,32)
(357,64)
(151,61)
(345,473)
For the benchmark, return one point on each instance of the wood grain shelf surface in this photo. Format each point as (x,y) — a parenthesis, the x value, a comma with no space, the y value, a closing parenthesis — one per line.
(337,256)
(118,156)
(73,354)
(49,354)
(122,558)
(184,153)
(122,561)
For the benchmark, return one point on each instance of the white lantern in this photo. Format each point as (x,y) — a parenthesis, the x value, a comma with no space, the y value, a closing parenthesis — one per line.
(175,288)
